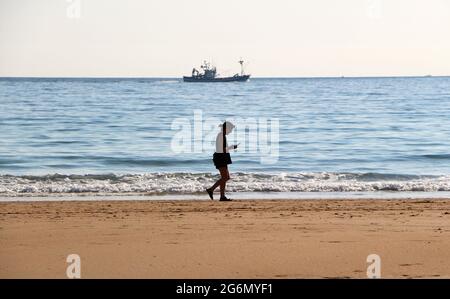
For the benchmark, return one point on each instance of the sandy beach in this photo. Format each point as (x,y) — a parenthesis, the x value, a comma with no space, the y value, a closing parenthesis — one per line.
(240,239)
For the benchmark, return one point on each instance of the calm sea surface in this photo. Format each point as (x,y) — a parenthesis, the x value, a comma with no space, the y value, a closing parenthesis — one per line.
(115,135)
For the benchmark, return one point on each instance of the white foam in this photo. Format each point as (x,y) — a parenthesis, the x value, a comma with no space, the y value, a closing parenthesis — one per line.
(191,183)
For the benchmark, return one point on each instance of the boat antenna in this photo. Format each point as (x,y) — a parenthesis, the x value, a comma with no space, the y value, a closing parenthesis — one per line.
(241,62)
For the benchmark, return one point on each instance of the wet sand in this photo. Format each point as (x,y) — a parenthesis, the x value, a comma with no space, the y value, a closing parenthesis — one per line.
(240,239)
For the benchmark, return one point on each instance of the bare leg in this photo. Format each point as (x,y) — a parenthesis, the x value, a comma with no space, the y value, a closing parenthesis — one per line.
(224,177)
(216,184)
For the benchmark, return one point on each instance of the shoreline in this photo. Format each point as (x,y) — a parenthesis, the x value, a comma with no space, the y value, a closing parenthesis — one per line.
(369,195)
(240,239)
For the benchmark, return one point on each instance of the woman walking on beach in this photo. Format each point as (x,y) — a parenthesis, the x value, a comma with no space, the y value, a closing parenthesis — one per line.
(221,159)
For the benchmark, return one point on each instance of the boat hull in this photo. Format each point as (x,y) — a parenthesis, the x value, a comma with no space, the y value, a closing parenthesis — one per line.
(224,79)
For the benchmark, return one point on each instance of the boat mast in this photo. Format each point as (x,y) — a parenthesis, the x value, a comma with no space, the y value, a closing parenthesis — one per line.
(241,62)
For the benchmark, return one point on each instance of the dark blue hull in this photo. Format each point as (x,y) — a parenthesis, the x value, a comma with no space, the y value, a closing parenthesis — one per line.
(225,79)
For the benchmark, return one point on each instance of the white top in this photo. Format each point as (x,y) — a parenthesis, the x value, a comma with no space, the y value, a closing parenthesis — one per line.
(219,144)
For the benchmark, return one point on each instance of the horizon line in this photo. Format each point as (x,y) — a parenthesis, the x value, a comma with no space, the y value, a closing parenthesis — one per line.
(260,77)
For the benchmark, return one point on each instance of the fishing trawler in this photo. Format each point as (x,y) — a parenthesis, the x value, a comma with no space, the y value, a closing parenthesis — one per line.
(209,74)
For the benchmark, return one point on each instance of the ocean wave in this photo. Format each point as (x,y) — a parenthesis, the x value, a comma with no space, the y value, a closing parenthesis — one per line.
(191,183)
(436,156)
(168,81)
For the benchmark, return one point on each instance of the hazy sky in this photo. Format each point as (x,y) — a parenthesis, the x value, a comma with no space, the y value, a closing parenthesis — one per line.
(148,38)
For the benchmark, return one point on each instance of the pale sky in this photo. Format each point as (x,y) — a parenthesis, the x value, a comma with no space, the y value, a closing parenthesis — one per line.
(279,38)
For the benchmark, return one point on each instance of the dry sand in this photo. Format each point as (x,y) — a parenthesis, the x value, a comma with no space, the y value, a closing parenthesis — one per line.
(241,239)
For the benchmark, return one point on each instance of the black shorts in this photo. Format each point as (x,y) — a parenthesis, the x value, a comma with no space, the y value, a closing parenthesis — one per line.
(221,159)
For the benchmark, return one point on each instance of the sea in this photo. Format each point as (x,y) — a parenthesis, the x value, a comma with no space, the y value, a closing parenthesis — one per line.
(147,138)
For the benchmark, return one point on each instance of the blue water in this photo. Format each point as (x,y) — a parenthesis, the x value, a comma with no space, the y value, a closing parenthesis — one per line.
(117,131)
